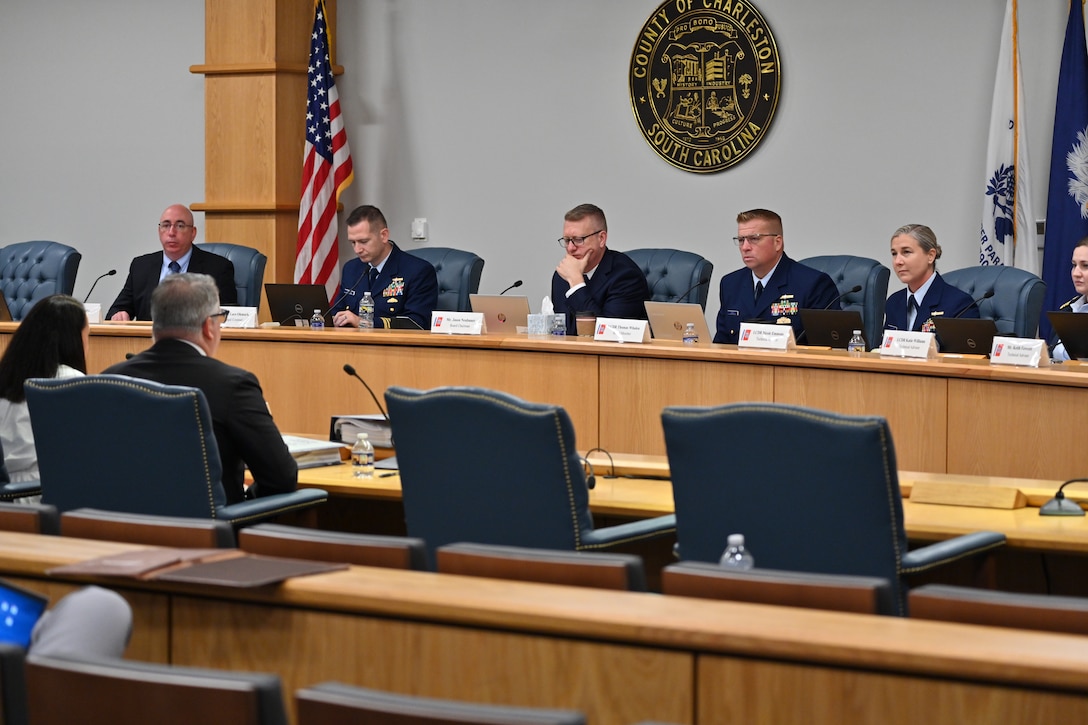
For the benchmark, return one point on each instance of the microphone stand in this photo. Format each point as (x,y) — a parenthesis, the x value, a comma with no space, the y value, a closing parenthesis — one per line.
(1060,505)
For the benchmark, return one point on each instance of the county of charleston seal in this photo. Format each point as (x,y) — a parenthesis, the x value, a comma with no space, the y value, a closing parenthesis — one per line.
(705,78)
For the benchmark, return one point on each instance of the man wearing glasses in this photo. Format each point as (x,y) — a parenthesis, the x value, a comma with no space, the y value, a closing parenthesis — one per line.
(592,279)
(771,287)
(186,330)
(176,234)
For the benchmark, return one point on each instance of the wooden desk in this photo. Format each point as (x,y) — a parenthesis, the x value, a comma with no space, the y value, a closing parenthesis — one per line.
(619,657)
(946,415)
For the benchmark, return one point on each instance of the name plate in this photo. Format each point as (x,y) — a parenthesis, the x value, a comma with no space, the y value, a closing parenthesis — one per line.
(240,317)
(458,323)
(905,343)
(1017,351)
(766,337)
(614,329)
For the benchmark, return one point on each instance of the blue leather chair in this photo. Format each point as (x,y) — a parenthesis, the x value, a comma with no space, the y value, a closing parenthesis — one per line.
(674,275)
(811,491)
(597,569)
(848,271)
(334,703)
(527,488)
(12,685)
(458,273)
(249,267)
(1017,303)
(127,692)
(122,444)
(32,270)
(968,605)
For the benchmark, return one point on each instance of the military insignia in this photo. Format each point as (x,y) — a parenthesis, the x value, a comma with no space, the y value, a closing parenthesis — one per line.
(395,288)
(784,305)
(928,325)
(705,82)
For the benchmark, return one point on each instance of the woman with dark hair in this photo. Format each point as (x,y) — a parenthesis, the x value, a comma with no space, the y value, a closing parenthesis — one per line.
(50,342)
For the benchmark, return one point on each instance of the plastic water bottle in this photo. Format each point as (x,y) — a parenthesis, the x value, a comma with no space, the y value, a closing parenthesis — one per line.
(856,346)
(366,312)
(317,322)
(690,335)
(735,555)
(362,457)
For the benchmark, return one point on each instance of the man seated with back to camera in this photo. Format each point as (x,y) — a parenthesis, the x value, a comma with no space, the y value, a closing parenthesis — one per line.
(771,287)
(401,284)
(186,332)
(591,278)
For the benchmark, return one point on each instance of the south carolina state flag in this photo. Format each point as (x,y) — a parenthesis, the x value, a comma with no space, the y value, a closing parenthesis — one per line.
(1007,234)
(1066,212)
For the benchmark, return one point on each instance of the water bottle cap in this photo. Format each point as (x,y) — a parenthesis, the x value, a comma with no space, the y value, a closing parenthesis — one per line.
(736,539)
(857,332)
(362,436)
(317,312)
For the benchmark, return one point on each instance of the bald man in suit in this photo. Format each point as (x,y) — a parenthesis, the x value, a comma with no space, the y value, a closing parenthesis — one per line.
(176,234)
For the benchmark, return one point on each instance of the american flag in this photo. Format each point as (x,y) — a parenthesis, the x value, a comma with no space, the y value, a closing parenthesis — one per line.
(326,168)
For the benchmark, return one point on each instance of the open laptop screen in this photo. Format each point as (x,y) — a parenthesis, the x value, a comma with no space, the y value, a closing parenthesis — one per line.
(965,335)
(832,328)
(668,320)
(289,303)
(1072,329)
(20,610)
(503,314)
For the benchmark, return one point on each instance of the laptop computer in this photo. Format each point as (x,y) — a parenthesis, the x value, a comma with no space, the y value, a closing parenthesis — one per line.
(502,314)
(831,328)
(668,320)
(1072,329)
(965,335)
(20,610)
(294,304)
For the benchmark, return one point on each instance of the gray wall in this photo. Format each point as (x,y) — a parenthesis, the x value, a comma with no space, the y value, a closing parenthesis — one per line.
(492,117)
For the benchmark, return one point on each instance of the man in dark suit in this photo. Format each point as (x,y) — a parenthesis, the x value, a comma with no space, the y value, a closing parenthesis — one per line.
(176,233)
(592,278)
(401,284)
(771,287)
(186,330)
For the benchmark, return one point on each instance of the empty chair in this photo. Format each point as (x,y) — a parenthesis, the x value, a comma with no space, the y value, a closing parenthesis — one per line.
(169,462)
(848,271)
(540,499)
(1017,301)
(840,592)
(30,271)
(574,568)
(674,275)
(332,703)
(249,267)
(829,503)
(144,529)
(393,552)
(126,692)
(458,273)
(1068,615)
(29,518)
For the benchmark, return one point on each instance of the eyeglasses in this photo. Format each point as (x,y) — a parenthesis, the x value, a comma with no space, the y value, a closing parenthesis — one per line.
(752,239)
(222,313)
(178,226)
(577,241)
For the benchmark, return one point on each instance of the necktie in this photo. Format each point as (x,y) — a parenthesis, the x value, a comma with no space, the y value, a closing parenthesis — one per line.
(759,291)
(372,275)
(912,311)
(174,267)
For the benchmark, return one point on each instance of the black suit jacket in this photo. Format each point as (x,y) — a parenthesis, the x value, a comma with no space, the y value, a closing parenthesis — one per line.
(617,289)
(143,278)
(244,429)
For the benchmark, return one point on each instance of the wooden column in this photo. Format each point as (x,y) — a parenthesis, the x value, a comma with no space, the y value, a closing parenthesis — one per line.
(256,57)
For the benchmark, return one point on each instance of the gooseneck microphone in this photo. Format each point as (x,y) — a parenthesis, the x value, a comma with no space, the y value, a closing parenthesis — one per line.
(1060,505)
(689,290)
(974,303)
(351,371)
(344,294)
(852,290)
(516,284)
(107,274)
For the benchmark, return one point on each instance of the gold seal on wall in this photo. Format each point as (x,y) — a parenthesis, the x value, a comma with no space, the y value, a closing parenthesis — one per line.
(705,78)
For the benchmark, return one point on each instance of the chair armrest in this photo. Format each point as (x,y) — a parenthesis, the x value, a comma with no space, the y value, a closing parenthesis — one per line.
(944,552)
(11,491)
(265,507)
(633,531)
